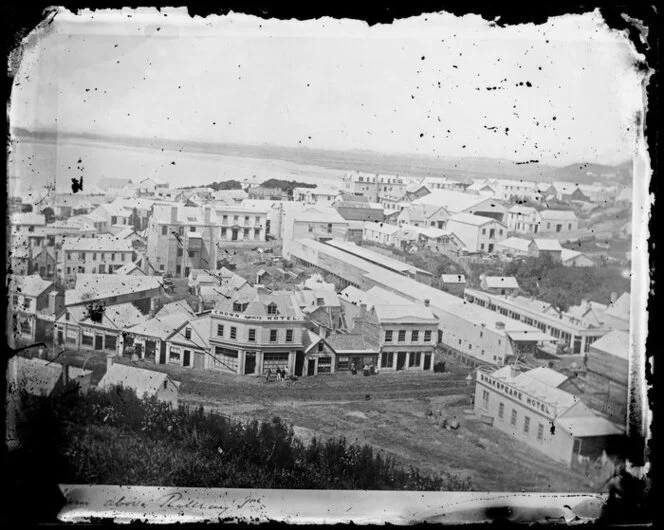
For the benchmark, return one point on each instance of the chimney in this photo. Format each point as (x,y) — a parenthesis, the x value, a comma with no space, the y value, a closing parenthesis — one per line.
(513,371)
(427,302)
(174,215)
(109,362)
(614,297)
(53,302)
(207,213)
(66,377)
(363,309)
(500,325)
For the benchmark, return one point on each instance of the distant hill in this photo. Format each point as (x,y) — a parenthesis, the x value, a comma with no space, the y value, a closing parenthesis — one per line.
(416,165)
(587,173)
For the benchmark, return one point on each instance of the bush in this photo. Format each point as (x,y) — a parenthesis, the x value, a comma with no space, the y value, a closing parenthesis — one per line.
(439,367)
(116,438)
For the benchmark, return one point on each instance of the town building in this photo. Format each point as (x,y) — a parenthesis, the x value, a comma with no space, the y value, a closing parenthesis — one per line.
(145,383)
(320,224)
(617,315)
(558,221)
(502,285)
(381,233)
(34,304)
(94,255)
(256,332)
(373,186)
(453,283)
(319,355)
(514,247)
(458,202)
(574,258)
(26,223)
(424,215)
(523,219)
(478,233)
(540,247)
(360,211)
(320,196)
(42,377)
(575,336)
(531,408)
(607,375)
(417,238)
(269,194)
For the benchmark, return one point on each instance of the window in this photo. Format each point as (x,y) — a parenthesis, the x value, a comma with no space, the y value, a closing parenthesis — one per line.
(165,384)
(415,336)
(402,335)
(161,268)
(181,230)
(273,335)
(257,232)
(540,432)
(86,339)
(94,256)
(414,359)
(164,230)
(224,219)
(483,231)
(223,232)
(246,219)
(387,359)
(233,332)
(113,256)
(388,335)
(569,226)
(220,330)
(68,270)
(501,411)
(311,228)
(187,333)
(178,269)
(459,342)
(192,228)
(252,335)
(235,219)
(179,252)
(329,228)
(246,233)
(225,359)
(481,246)
(272,361)
(110,342)
(174,355)
(485,399)
(321,346)
(289,335)
(526,424)
(68,255)
(81,256)
(513,418)
(191,253)
(258,219)
(272,309)
(427,336)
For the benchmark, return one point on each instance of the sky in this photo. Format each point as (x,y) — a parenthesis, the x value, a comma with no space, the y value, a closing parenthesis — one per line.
(437,85)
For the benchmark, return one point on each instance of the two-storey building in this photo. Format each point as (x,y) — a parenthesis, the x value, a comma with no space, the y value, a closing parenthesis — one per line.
(252,333)
(478,233)
(94,255)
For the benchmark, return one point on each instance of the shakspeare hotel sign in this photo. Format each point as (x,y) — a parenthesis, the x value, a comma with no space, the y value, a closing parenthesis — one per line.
(516,395)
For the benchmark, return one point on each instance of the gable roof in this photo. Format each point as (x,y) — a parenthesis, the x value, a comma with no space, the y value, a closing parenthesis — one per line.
(620,308)
(552,245)
(100,243)
(352,342)
(179,306)
(258,301)
(453,278)
(452,201)
(515,243)
(614,343)
(99,286)
(118,316)
(472,219)
(501,282)
(200,333)
(160,326)
(547,376)
(403,312)
(558,215)
(140,380)
(32,285)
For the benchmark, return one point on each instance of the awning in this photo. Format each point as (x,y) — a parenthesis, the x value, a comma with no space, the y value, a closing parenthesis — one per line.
(530,336)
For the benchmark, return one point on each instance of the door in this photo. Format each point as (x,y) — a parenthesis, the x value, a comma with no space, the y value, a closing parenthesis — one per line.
(99,342)
(186,360)
(249,363)
(299,363)
(234,234)
(61,337)
(311,367)
(199,360)
(490,247)
(162,353)
(401,360)
(427,361)
(559,228)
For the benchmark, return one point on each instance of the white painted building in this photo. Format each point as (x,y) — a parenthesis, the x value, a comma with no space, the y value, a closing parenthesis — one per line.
(478,234)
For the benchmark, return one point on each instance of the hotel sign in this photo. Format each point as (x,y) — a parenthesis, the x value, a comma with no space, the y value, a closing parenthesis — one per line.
(277,318)
(515,394)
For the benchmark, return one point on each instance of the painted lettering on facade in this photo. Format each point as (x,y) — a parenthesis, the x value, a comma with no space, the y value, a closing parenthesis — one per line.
(516,394)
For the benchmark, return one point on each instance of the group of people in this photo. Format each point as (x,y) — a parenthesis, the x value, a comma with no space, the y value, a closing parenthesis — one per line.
(367,369)
(282,375)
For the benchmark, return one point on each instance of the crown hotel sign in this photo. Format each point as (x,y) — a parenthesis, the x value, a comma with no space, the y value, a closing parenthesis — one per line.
(516,395)
(250,317)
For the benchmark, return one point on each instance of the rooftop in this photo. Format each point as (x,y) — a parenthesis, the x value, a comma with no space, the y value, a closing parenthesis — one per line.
(32,285)
(27,218)
(552,245)
(140,380)
(514,243)
(614,343)
(471,219)
(453,278)
(498,282)
(452,201)
(102,243)
(620,308)
(257,303)
(351,342)
(558,215)
(100,286)
(384,228)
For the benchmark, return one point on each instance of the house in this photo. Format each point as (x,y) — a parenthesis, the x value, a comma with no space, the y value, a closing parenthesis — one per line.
(482,188)
(607,375)
(25,223)
(320,224)
(588,313)
(254,332)
(574,258)
(321,308)
(105,183)
(41,377)
(373,186)
(20,257)
(617,315)
(321,196)
(503,285)
(558,221)
(96,326)
(459,202)
(147,337)
(513,246)
(353,349)
(414,238)
(539,247)
(178,306)
(319,355)
(94,255)
(568,191)
(381,233)
(262,276)
(523,219)
(416,190)
(424,215)
(131,268)
(529,408)
(478,233)
(453,283)
(189,344)
(145,383)
(34,303)
(44,262)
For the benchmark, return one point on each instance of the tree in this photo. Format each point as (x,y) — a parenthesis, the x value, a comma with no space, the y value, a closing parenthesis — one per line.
(135,220)
(49,214)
